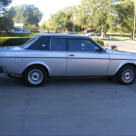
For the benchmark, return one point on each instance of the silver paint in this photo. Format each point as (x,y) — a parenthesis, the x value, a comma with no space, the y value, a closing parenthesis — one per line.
(16,59)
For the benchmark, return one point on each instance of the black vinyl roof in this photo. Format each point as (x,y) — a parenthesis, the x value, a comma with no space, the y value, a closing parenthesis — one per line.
(65,35)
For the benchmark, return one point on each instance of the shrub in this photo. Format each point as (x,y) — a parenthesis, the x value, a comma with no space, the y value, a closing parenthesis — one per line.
(12,41)
(99,41)
(21,35)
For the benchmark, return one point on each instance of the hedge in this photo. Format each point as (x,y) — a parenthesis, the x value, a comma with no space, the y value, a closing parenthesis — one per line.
(21,35)
(99,41)
(12,41)
(20,41)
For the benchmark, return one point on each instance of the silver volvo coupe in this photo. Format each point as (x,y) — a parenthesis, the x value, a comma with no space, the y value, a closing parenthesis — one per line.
(47,55)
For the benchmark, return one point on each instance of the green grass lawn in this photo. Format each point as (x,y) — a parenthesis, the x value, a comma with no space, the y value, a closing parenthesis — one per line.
(119,37)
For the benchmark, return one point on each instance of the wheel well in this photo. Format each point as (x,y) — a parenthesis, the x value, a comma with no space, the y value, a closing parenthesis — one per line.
(131,64)
(38,65)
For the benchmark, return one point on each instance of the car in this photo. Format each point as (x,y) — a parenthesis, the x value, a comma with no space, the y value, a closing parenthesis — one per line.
(92,34)
(72,32)
(95,34)
(89,33)
(21,31)
(51,55)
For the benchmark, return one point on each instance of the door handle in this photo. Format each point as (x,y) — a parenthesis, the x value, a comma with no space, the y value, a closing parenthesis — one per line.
(71,54)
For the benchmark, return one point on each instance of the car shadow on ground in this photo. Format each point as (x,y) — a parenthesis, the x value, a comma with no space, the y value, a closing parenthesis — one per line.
(8,81)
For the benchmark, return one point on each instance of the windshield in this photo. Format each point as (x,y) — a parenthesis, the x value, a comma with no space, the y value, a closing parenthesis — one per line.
(29,41)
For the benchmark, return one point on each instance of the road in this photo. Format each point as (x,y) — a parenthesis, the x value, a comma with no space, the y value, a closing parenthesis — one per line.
(67,107)
(129,46)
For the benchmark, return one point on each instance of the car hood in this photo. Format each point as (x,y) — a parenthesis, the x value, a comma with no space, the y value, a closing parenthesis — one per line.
(115,54)
(10,48)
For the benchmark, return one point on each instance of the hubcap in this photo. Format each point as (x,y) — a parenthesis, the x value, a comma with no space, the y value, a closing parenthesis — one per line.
(128,75)
(35,76)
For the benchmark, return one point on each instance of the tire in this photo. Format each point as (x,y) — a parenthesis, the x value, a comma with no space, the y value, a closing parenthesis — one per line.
(126,75)
(35,76)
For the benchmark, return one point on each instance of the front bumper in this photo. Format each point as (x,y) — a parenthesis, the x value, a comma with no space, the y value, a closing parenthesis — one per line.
(1,70)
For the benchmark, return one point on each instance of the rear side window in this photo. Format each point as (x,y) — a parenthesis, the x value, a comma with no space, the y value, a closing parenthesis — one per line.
(58,44)
(42,43)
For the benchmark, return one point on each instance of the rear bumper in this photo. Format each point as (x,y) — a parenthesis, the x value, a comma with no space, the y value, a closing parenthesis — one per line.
(1,70)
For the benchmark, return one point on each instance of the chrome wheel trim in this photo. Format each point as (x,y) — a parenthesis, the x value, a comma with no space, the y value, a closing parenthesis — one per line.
(35,76)
(128,75)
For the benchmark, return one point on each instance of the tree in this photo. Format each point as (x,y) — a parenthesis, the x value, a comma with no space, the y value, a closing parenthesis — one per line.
(46,25)
(82,13)
(125,12)
(6,21)
(64,18)
(98,14)
(29,15)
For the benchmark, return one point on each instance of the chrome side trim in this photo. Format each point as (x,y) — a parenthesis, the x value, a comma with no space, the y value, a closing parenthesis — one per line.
(58,57)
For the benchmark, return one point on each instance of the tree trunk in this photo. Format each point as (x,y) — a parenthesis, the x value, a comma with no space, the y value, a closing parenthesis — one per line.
(102,34)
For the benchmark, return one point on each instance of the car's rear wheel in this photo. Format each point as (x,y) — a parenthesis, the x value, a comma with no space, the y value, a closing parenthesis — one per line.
(126,75)
(35,76)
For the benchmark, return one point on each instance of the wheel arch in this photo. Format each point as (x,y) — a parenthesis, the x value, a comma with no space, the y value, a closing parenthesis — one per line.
(37,64)
(133,64)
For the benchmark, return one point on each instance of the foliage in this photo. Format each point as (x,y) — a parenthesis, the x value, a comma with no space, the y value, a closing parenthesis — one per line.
(6,21)
(12,41)
(82,15)
(6,2)
(64,18)
(125,12)
(17,35)
(29,15)
(99,41)
(100,14)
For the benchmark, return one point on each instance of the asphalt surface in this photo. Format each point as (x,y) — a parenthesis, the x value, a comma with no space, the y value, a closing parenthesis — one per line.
(129,46)
(67,107)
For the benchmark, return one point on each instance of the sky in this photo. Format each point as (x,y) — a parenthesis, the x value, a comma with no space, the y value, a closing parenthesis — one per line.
(47,7)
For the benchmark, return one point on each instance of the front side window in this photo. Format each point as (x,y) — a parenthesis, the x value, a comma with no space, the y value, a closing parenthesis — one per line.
(58,44)
(82,45)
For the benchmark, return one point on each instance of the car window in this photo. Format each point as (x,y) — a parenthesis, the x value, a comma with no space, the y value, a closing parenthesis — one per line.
(42,43)
(58,44)
(29,41)
(82,45)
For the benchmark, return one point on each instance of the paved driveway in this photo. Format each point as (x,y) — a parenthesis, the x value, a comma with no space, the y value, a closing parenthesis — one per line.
(67,107)
(129,46)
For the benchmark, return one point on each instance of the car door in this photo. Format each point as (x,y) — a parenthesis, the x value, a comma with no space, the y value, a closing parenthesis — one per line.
(84,57)
(58,56)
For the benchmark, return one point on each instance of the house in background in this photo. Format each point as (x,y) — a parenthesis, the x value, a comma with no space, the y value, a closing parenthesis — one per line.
(18,28)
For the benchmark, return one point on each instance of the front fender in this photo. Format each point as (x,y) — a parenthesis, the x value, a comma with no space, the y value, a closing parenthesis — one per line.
(116,65)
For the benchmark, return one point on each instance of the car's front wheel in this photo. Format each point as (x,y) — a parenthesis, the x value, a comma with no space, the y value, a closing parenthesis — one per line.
(126,75)
(35,76)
